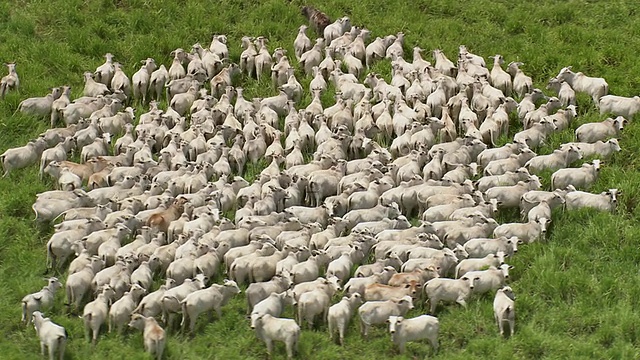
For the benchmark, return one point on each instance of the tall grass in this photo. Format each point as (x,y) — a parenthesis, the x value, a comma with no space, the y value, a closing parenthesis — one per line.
(577,292)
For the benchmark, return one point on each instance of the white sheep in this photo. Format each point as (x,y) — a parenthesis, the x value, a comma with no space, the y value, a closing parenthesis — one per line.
(93,88)
(157,82)
(582,177)
(104,73)
(42,300)
(205,300)
(142,79)
(120,80)
(17,158)
(40,106)
(504,310)
(340,314)
(121,310)
(565,93)
(595,87)
(52,335)
(96,312)
(522,83)
(592,132)
(9,81)
(153,335)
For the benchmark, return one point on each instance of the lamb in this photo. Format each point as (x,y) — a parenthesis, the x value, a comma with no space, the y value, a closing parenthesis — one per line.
(52,335)
(595,87)
(152,333)
(40,106)
(582,177)
(42,300)
(592,132)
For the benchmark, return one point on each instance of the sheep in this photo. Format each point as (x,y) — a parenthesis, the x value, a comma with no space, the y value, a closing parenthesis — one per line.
(522,83)
(120,80)
(93,88)
(558,159)
(223,78)
(595,87)
(592,132)
(604,201)
(21,157)
(142,79)
(340,314)
(152,334)
(565,93)
(40,106)
(56,153)
(317,19)
(421,327)
(600,149)
(269,328)
(247,57)
(264,61)
(158,80)
(96,312)
(500,78)
(9,81)
(205,300)
(336,29)
(42,300)
(582,177)
(504,310)
(52,335)
(121,310)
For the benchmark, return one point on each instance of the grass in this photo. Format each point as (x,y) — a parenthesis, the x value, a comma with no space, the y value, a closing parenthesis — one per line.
(577,292)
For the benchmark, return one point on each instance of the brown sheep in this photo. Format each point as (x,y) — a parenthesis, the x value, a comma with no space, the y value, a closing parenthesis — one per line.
(161,220)
(317,19)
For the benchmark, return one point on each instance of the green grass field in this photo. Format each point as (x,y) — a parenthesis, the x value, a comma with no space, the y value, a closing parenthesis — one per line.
(577,293)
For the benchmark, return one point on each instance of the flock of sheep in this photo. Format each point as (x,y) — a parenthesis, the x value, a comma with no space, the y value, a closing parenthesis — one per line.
(175,171)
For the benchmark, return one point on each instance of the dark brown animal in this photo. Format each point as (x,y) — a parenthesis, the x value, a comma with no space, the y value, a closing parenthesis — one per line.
(161,219)
(317,19)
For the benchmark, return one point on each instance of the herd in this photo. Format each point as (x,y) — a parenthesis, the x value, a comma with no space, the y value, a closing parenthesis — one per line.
(339,188)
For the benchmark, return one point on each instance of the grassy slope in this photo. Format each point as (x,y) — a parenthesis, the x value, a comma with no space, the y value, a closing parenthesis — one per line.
(577,293)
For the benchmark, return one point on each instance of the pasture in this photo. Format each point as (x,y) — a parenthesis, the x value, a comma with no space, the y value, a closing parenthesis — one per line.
(577,292)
